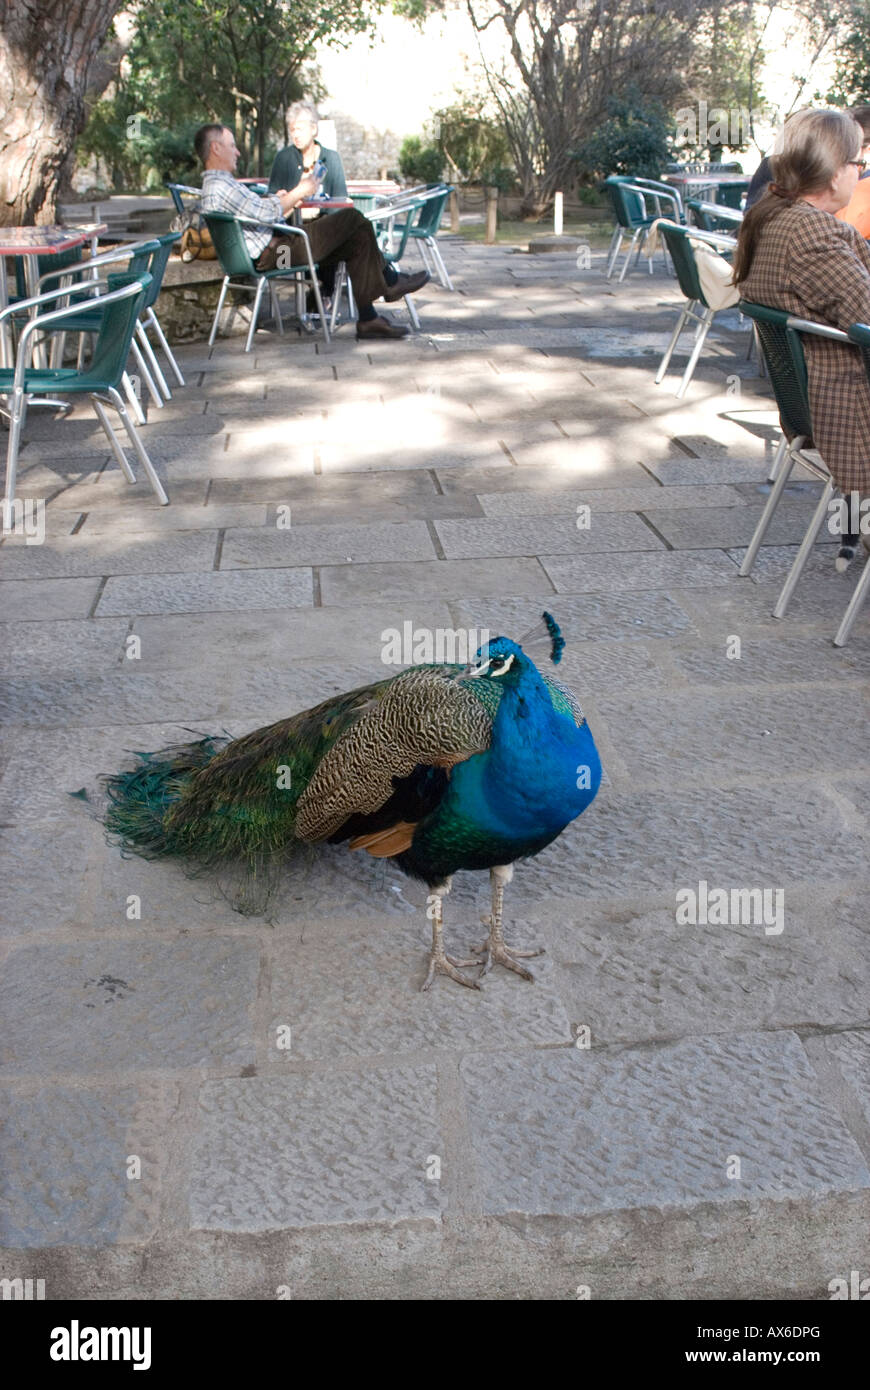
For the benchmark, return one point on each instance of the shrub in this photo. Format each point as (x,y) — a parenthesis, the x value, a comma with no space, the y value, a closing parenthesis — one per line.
(420,163)
(632,140)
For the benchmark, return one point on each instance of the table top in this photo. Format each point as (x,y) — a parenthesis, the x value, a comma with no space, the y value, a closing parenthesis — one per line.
(45,241)
(706,178)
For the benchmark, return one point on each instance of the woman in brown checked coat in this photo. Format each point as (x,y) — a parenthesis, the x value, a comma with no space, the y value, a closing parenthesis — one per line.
(793,254)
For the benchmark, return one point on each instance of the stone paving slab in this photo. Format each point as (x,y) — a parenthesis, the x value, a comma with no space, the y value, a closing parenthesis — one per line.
(109,555)
(104,1006)
(629,972)
(431,579)
(218,591)
(77,645)
(723,528)
(655,1126)
(554,534)
(587,618)
(326,545)
(44,600)
(344,1147)
(628,499)
(65,1178)
(352,988)
(574,574)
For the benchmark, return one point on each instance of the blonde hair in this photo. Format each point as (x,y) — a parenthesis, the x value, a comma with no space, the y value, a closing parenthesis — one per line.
(817,145)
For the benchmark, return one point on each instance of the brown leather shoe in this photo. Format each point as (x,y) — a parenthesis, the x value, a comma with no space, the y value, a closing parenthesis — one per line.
(406,284)
(380,328)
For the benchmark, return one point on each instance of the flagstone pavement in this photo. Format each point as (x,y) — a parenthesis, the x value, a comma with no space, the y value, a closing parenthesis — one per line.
(203,1105)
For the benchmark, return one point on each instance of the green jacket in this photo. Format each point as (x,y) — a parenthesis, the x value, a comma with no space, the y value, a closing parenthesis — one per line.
(287,171)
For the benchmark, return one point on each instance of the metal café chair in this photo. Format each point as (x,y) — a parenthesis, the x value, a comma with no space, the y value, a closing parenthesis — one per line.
(239,271)
(425,228)
(629,199)
(713,217)
(152,256)
(780,335)
(119,310)
(682,252)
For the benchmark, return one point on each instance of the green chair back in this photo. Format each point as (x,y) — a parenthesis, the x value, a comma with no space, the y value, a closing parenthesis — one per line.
(786,364)
(44,264)
(431,212)
(229,243)
(118,323)
(157,266)
(731,194)
(628,207)
(707,220)
(676,239)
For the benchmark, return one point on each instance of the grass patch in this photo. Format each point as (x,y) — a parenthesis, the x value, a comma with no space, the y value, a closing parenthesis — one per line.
(518,233)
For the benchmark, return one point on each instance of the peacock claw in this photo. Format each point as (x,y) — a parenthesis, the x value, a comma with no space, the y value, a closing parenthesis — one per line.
(498,953)
(446,965)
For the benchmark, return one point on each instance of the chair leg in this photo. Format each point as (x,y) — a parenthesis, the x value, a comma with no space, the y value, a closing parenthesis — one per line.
(696,353)
(806,546)
(217,314)
(412,311)
(276,309)
(781,451)
(315,285)
(424,254)
(18,411)
(340,282)
(153,364)
(856,603)
(118,402)
(443,273)
(134,400)
(255,312)
(120,456)
(675,338)
(613,251)
(146,376)
(634,242)
(152,321)
(771,505)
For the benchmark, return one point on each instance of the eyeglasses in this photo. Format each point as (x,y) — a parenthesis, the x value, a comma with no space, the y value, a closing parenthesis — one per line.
(858,163)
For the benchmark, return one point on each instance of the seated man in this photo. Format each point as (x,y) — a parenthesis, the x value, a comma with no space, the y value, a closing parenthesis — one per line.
(345,236)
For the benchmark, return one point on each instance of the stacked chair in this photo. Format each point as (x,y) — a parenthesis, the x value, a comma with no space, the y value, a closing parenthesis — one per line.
(118,313)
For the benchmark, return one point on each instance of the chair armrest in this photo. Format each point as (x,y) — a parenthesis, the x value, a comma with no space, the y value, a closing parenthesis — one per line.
(821,330)
(86,287)
(105,258)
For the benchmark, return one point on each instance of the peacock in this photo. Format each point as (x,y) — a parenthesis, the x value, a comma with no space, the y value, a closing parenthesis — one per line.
(438,768)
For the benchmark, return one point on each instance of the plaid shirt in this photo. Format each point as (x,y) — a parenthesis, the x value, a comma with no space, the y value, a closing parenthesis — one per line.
(222,193)
(812,265)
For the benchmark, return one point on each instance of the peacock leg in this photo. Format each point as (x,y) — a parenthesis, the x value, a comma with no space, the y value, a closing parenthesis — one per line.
(439,962)
(494,946)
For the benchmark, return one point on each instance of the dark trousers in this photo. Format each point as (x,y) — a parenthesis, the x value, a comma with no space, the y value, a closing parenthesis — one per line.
(343,236)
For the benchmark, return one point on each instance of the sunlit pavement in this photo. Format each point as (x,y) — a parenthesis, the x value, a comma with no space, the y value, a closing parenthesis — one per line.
(677,1107)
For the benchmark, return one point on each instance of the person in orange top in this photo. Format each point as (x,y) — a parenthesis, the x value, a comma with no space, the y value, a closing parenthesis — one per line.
(857,210)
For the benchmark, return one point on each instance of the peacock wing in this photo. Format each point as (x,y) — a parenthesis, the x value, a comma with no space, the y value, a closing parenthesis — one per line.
(423,716)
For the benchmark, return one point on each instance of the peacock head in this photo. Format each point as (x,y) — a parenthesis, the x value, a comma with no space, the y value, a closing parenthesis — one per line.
(501,660)
(505,661)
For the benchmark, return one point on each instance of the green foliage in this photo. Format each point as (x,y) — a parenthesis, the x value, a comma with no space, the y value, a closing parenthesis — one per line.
(241,62)
(476,147)
(419,162)
(632,140)
(852,72)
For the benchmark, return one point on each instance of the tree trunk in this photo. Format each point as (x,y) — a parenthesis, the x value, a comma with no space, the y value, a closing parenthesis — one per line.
(46,50)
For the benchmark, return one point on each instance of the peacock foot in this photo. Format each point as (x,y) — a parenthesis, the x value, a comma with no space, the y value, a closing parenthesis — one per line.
(497,952)
(442,964)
